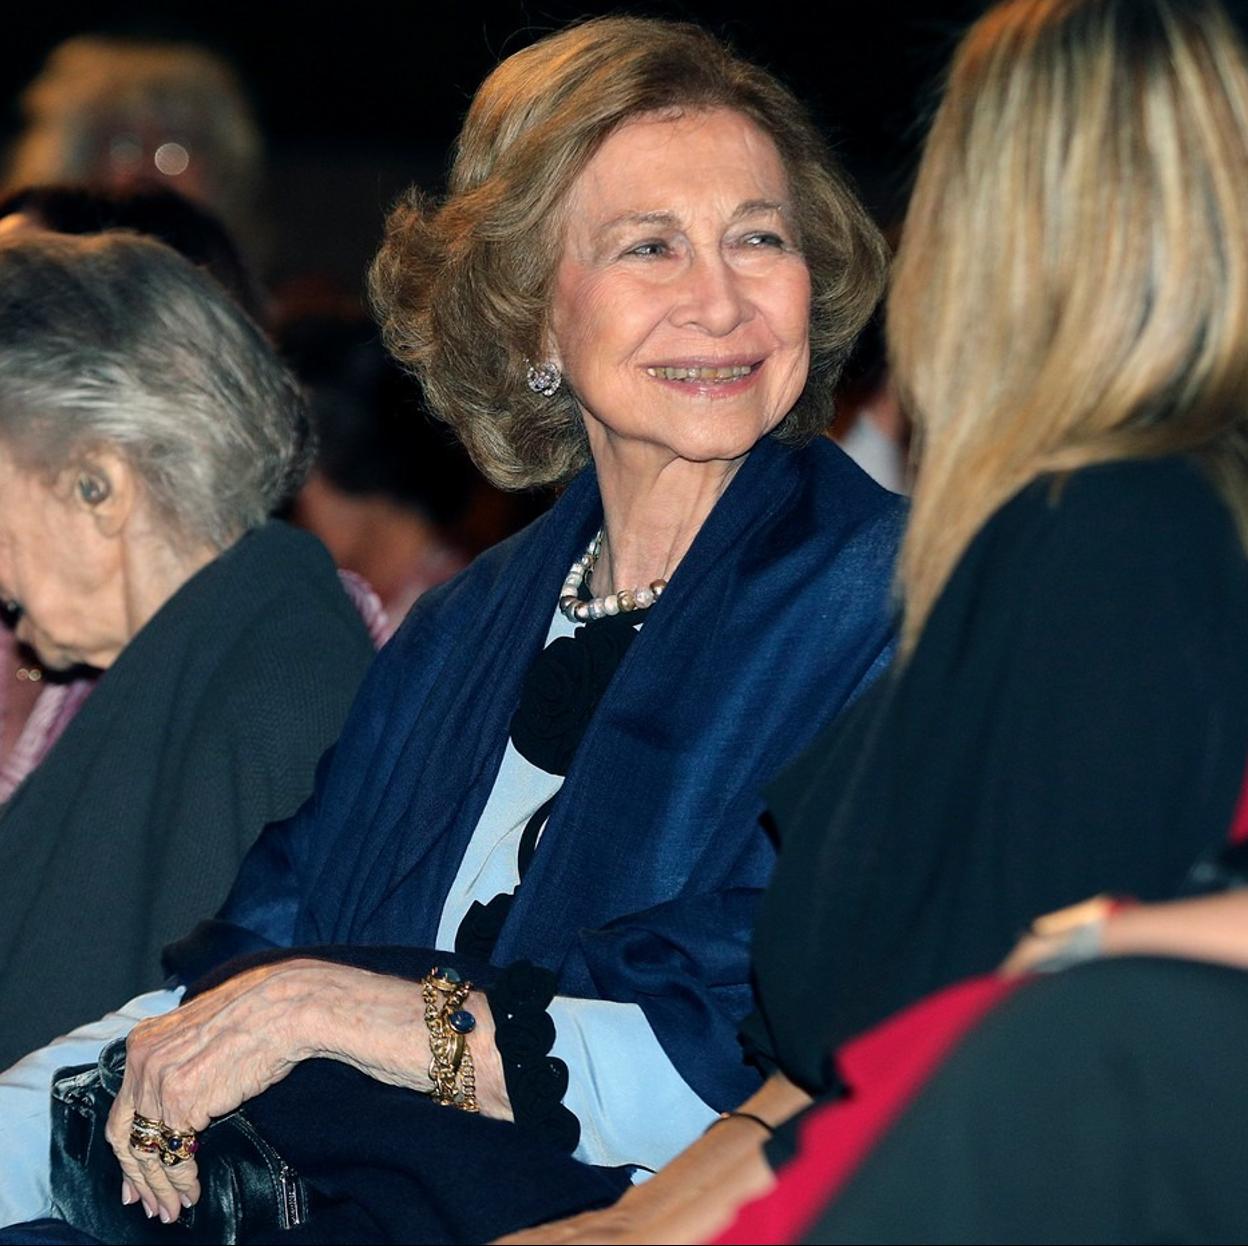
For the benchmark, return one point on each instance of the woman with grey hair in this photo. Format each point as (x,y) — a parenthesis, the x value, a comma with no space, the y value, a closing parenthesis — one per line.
(146,432)
(530,867)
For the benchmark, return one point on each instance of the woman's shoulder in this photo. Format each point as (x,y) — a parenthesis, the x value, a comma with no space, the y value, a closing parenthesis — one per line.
(830,521)
(268,637)
(1128,547)
(1172,495)
(446,608)
(285,594)
(835,481)
(444,611)
(269,565)
(1163,513)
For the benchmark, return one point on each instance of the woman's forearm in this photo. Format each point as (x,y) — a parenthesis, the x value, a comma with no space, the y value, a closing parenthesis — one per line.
(777,1100)
(375,1023)
(700,1169)
(699,1191)
(1212,928)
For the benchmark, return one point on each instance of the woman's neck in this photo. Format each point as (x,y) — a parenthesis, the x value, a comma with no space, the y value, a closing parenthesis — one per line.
(653,506)
(153,570)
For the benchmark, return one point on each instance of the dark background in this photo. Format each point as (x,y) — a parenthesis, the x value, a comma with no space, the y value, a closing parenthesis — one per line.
(358,103)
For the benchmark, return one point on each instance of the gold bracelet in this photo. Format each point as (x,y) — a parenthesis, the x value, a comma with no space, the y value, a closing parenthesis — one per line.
(451,1068)
(442,992)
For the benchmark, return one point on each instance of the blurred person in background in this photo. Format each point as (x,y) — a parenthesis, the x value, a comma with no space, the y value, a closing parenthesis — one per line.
(389,483)
(192,229)
(126,114)
(870,425)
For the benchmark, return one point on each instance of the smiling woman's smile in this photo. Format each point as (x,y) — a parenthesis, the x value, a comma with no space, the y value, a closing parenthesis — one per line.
(711,381)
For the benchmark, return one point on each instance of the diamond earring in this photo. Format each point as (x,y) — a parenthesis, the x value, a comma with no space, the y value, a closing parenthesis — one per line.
(544,378)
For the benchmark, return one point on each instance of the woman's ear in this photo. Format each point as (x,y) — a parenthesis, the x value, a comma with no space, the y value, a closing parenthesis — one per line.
(104,485)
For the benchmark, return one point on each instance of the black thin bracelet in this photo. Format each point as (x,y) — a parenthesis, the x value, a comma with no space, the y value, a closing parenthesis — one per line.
(745,1116)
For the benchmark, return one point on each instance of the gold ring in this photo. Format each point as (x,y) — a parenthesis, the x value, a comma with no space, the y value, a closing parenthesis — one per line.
(146,1134)
(178,1145)
(147,1138)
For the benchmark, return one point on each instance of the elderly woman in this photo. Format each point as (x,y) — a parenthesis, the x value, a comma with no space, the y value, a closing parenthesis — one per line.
(1069,714)
(36,710)
(642,282)
(146,430)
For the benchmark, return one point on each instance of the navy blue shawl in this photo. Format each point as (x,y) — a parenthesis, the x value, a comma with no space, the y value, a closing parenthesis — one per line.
(644,885)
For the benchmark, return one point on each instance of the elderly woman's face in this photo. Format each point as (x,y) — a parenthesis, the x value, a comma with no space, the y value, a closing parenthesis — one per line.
(682,302)
(60,570)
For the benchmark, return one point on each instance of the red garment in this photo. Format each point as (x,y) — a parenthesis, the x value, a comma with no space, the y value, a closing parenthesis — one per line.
(1239,825)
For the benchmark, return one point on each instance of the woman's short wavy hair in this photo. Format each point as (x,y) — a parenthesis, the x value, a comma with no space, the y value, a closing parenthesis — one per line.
(115,342)
(462,287)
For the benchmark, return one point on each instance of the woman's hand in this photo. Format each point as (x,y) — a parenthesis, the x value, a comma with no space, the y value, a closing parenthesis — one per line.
(1050,937)
(1210,928)
(698,1193)
(201,1061)
(232,1043)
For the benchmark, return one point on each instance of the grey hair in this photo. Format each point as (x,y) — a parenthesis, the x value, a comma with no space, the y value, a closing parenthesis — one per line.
(116,342)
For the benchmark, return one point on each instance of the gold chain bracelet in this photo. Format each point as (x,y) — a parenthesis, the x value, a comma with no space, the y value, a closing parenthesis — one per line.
(451,1068)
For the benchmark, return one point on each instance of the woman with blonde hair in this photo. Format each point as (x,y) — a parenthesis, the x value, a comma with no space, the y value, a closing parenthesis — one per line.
(1069,326)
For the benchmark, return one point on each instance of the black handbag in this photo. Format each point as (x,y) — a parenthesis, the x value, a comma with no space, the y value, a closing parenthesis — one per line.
(249,1193)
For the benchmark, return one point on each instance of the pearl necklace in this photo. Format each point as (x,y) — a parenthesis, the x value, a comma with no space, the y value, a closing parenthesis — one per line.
(624,602)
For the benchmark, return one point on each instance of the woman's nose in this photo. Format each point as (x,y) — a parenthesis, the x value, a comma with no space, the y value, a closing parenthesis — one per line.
(711,297)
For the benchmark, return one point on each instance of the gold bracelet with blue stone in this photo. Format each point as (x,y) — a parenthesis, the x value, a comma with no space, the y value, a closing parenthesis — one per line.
(451,1068)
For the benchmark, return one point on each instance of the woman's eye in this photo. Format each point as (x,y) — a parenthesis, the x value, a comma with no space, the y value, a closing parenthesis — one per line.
(764,239)
(648,250)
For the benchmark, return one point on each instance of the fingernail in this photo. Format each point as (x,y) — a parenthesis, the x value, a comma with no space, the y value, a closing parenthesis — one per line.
(165,1217)
(186,1200)
(127,1194)
(147,1211)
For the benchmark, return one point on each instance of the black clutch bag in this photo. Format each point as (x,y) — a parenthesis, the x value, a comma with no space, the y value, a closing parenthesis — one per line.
(249,1193)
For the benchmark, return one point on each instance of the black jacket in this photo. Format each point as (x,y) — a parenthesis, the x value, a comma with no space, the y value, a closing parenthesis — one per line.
(208,726)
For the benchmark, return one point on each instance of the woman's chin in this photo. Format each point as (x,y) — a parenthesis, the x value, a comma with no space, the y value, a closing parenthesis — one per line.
(719,445)
(54,657)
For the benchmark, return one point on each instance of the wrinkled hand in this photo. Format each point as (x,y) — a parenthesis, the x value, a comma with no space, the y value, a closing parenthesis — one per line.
(202,1061)
(230,1044)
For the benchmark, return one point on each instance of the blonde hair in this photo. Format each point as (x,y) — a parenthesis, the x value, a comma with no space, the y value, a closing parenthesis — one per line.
(1072,284)
(462,288)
